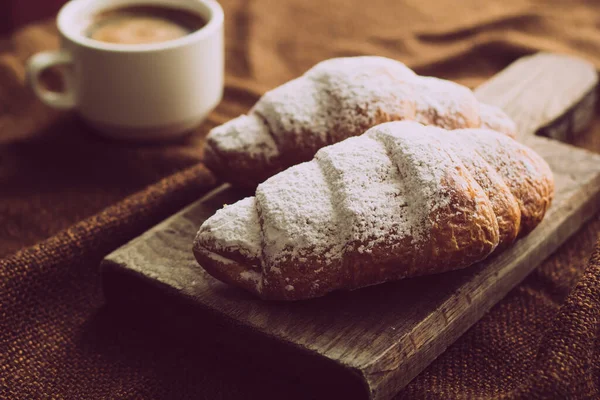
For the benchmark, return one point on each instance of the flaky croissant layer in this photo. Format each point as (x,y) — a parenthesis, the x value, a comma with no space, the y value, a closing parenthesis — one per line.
(401,200)
(337,99)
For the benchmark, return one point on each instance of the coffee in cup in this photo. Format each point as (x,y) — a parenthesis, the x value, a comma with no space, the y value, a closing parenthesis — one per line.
(142,24)
(144,70)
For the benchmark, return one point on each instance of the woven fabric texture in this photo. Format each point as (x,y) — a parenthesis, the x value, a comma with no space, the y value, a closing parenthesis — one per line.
(68,197)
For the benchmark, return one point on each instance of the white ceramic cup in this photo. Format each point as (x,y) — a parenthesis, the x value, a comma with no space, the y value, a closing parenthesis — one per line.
(144,91)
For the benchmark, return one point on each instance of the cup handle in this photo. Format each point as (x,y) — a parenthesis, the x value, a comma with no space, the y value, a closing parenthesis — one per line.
(38,63)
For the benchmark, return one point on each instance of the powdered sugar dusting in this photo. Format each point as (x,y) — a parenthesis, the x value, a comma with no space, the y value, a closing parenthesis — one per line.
(343,97)
(247,134)
(421,163)
(251,275)
(367,192)
(358,66)
(494,118)
(379,186)
(297,216)
(503,154)
(219,258)
(337,99)
(466,151)
(234,228)
(392,184)
(445,104)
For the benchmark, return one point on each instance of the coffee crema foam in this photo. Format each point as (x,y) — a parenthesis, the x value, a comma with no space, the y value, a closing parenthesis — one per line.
(143,24)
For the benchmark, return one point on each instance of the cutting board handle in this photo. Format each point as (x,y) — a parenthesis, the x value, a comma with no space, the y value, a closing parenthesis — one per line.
(547,94)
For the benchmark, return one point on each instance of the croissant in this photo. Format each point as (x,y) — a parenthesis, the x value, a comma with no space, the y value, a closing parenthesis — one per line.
(399,201)
(337,99)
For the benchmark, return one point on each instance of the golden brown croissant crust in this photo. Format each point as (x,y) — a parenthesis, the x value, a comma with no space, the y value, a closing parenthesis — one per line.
(401,200)
(337,99)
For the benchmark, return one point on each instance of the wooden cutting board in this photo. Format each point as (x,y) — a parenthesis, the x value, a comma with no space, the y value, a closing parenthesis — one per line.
(379,338)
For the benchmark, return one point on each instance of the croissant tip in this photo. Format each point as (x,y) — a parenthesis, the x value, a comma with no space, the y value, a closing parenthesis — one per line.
(228,270)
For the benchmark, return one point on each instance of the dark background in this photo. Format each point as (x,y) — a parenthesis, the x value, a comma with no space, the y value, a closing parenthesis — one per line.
(16,13)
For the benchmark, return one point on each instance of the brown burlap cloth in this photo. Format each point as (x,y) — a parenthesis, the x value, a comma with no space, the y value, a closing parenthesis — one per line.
(72,193)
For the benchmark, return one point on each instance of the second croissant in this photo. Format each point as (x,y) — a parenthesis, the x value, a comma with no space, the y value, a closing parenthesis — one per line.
(337,99)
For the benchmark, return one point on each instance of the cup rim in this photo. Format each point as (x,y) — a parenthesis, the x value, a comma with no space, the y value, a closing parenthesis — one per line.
(215,21)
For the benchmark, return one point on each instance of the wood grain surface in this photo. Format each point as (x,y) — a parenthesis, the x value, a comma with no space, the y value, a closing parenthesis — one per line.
(381,337)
